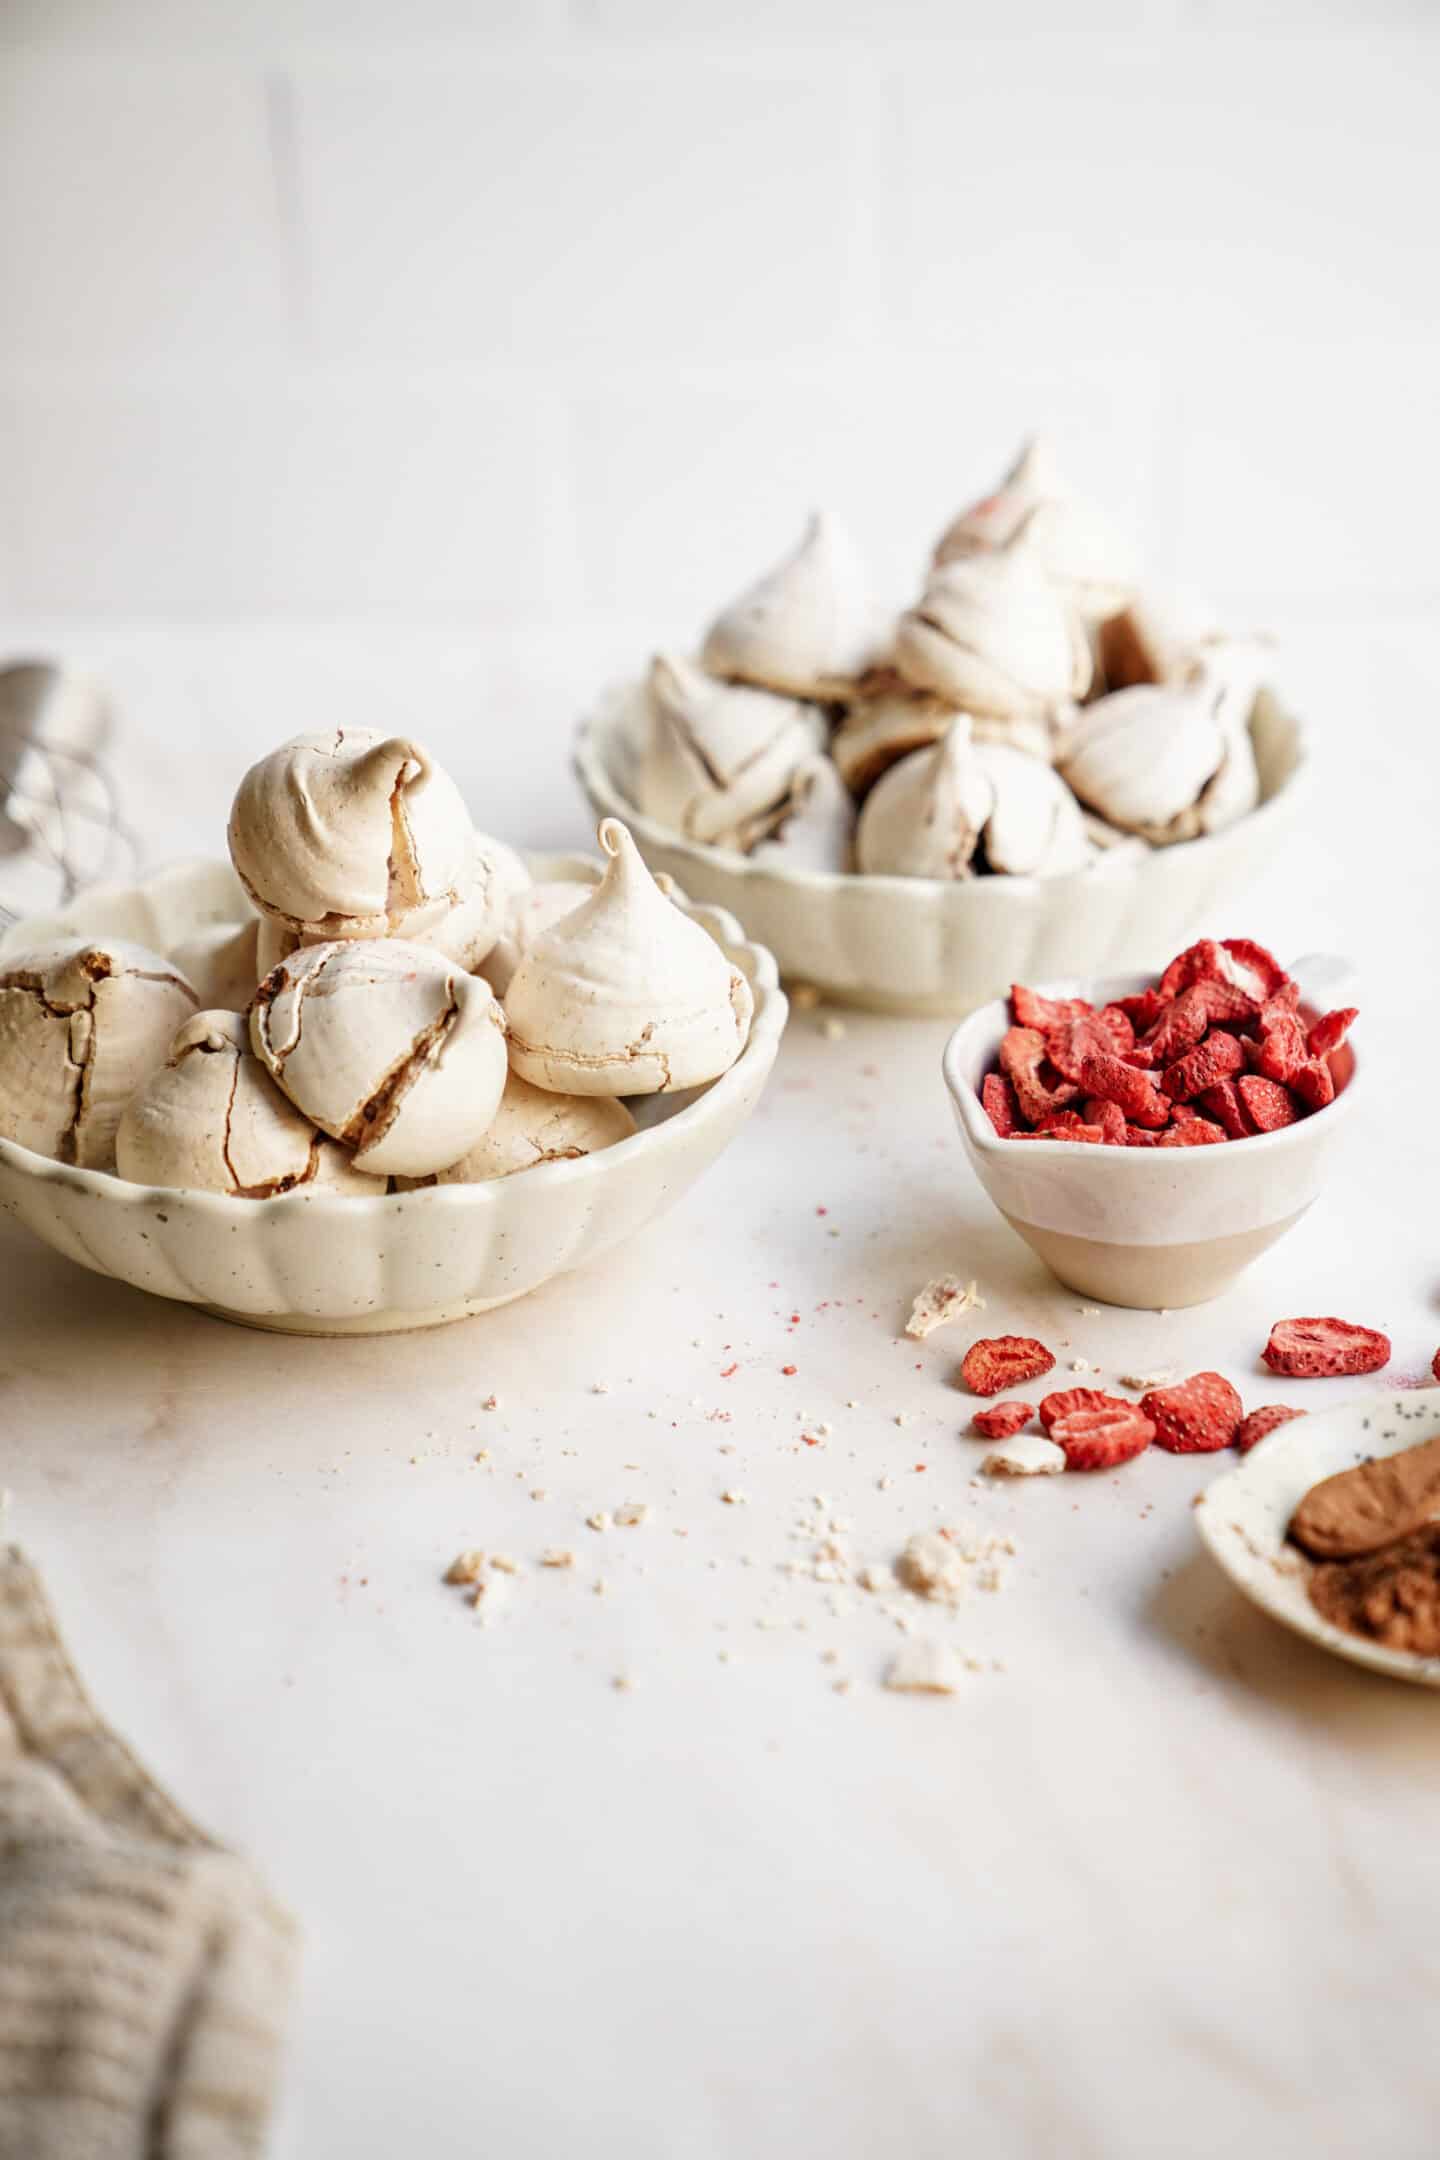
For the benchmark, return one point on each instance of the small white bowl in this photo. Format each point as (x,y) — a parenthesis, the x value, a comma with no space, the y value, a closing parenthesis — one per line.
(941,946)
(316,1263)
(1245,1514)
(1149,1228)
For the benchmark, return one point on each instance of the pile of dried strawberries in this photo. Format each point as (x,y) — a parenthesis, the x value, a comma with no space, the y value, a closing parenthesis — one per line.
(1215,1050)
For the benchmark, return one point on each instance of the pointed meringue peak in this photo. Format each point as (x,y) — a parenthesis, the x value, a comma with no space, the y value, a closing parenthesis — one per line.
(938,809)
(626,995)
(809,626)
(1032,509)
(350,834)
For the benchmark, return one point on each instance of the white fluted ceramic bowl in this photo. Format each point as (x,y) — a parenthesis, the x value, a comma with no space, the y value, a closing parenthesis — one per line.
(316,1263)
(1149,1228)
(929,945)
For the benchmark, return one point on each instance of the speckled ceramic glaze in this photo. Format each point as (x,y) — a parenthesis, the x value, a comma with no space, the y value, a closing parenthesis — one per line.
(1151,1228)
(929,945)
(311,1262)
(1245,1514)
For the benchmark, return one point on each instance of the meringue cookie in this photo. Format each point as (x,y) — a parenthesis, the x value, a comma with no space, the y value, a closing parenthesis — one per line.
(817,831)
(350,834)
(991,633)
(885,723)
(212,1119)
(1076,545)
(533,1125)
(1166,762)
(531,912)
(809,626)
(933,813)
(1159,638)
(222,964)
(385,1045)
(720,757)
(627,995)
(493,880)
(82,1022)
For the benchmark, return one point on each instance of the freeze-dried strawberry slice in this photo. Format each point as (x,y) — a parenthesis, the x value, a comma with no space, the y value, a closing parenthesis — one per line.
(1269,1104)
(1108,1116)
(1247,959)
(1314,1083)
(1317,1349)
(1137,1136)
(1104,1437)
(1214,1059)
(1283,1048)
(1022,1056)
(1034,1011)
(1330,1030)
(1114,1081)
(1180,1026)
(997,1362)
(997,1098)
(1196,1416)
(1068,1045)
(1190,966)
(1002,1420)
(1194,1132)
(1435,1365)
(1254,1428)
(1066,1399)
(1069,1125)
(1119,1027)
(1223,1102)
(1144,1009)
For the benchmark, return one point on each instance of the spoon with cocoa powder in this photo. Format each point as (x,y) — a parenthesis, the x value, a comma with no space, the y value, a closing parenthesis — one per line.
(1360,1511)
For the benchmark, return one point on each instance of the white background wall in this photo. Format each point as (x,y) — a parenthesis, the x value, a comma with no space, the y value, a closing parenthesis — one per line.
(424,359)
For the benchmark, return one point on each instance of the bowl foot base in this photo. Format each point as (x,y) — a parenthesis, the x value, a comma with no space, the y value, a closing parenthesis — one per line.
(379,1323)
(1150,1278)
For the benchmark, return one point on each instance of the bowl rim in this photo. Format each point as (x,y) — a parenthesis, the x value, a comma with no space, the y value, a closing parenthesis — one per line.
(603,793)
(767,1024)
(1102,989)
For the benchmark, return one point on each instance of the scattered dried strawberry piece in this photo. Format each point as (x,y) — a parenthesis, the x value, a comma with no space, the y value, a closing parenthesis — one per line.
(1113,1080)
(997,1362)
(1102,1437)
(1002,1420)
(1330,1031)
(1064,1400)
(1194,1132)
(1270,1105)
(1247,957)
(1196,1416)
(1317,1349)
(1022,1057)
(1190,966)
(1031,1010)
(1223,1102)
(1119,1027)
(1254,1428)
(1214,1059)
(1108,1116)
(1314,1083)
(997,1098)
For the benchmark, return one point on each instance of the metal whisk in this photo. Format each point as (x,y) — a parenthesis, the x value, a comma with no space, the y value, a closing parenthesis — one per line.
(60,822)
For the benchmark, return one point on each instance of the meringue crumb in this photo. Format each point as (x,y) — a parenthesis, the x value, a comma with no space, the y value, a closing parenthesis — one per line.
(1082,1364)
(803,996)
(851,1404)
(505,1563)
(632,1513)
(1026,1455)
(873,1577)
(883,1484)
(466,1567)
(489,1595)
(557,1556)
(923,1667)
(733,1497)
(600,1520)
(1143,1382)
(940,1301)
(1091,1312)
(840,1687)
(482,1454)
(833,1028)
(600,1387)
(621,1683)
(538,1492)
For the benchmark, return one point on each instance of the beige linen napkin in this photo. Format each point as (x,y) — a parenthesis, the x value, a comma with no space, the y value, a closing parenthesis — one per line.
(143,1971)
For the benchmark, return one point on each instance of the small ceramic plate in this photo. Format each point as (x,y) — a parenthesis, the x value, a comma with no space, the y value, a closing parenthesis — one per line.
(1244,1515)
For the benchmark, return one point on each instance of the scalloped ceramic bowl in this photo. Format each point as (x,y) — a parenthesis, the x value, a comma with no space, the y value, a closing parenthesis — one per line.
(1244,1515)
(316,1263)
(926,945)
(1149,1228)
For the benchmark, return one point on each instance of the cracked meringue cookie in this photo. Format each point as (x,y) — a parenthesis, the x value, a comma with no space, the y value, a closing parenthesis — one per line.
(531,912)
(212,1119)
(992,635)
(1167,762)
(350,834)
(808,627)
(626,995)
(1077,546)
(385,1045)
(961,806)
(532,1126)
(817,830)
(720,757)
(82,1023)
(222,964)
(494,879)
(890,721)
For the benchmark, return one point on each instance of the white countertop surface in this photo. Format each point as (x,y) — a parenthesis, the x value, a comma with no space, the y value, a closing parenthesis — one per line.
(1159,1880)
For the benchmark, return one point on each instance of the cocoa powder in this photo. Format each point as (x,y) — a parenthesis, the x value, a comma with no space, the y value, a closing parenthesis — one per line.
(1392,1596)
